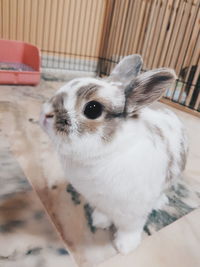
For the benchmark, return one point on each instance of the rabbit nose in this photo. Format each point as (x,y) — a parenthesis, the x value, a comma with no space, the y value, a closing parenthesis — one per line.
(49,115)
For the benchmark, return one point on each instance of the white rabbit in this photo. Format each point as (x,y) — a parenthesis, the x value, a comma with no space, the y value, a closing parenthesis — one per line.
(118,153)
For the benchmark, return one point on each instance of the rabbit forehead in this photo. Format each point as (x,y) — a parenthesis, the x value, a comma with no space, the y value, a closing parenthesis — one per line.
(76,88)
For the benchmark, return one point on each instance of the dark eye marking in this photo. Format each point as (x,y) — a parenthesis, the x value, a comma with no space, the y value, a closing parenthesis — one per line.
(93,110)
(113,115)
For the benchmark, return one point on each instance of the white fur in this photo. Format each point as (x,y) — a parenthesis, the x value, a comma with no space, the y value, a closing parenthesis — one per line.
(124,179)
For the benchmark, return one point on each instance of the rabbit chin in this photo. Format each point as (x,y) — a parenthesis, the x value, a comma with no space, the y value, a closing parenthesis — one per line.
(74,146)
(81,149)
(46,125)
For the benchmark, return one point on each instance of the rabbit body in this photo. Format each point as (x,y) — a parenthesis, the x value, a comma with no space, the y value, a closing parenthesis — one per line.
(125,180)
(123,175)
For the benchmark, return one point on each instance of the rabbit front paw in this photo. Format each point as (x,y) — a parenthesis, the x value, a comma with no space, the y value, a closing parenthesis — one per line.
(125,242)
(100,220)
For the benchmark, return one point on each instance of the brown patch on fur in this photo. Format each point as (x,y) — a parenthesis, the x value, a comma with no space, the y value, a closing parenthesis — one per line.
(107,122)
(155,130)
(110,130)
(89,93)
(170,164)
(62,120)
(54,187)
(85,93)
(89,126)
(135,116)
(58,101)
(112,123)
(108,107)
(169,176)
(183,156)
(150,129)
(158,132)
(92,126)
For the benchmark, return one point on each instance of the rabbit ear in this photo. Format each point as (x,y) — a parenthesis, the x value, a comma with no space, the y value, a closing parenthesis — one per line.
(126,70)
(147,88)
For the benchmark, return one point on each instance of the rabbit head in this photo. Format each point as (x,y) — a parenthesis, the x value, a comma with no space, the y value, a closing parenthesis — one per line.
(87,112)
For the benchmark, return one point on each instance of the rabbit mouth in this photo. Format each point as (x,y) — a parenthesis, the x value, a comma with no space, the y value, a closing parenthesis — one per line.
(46,121)
(43,120)
(60,124)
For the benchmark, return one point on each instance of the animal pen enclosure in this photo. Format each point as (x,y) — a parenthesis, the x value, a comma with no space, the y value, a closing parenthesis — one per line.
(92,35)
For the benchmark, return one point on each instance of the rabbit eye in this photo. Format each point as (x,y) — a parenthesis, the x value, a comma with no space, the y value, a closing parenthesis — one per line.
(93,110)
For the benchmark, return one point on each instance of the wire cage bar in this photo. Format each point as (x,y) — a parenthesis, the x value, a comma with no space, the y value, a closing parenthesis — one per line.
(93,35)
